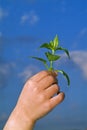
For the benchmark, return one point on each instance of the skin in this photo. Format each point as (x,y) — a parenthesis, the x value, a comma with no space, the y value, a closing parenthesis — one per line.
(35,101)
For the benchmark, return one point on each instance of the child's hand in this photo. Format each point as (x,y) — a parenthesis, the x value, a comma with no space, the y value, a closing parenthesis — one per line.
(37,99)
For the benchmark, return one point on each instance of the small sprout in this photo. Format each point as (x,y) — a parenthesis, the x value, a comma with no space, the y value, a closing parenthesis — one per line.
(53,47)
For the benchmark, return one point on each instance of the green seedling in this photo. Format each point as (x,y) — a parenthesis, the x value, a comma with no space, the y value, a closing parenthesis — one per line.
(53,47)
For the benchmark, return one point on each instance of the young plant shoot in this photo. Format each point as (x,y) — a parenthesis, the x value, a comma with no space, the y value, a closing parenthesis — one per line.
(52,47)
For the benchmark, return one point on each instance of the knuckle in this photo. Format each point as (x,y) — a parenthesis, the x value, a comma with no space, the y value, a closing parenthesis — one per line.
(44,72)
(35,89)
(52,78)
(42,97)
(32,84)
(56,87)
(48,106)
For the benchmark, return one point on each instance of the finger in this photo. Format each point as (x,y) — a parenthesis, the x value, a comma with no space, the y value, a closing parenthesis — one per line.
(56,100)
(54,73)
(52,90)
(47,81)
(37,77)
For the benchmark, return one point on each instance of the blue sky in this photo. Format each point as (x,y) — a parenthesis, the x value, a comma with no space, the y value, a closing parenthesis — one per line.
(24,25)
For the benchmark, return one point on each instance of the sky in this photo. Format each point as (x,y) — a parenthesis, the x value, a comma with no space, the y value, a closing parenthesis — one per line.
(24,26)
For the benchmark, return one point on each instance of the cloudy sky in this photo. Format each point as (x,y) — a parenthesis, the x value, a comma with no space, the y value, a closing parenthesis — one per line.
(24,25)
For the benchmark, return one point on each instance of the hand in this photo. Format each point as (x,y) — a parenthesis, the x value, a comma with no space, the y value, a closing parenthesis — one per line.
(36,100)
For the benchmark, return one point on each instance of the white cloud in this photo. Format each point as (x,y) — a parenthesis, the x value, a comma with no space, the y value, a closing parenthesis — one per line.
(24,18)
(6,70)
(3,13)
(30,18)
(80,59)
(63,6)
(28,72)
(80,37)
(82,32)
(3,117)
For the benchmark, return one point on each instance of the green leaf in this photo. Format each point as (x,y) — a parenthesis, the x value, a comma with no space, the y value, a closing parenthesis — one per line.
(51,44)
(52,57)
(65,50)
(42,60)
(65,75)
(45,45)
(56,42)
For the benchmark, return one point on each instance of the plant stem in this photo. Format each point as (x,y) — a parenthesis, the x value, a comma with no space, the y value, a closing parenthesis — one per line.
(46,66)
(51,62)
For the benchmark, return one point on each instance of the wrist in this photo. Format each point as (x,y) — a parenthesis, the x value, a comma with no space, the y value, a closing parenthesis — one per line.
(19,121)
